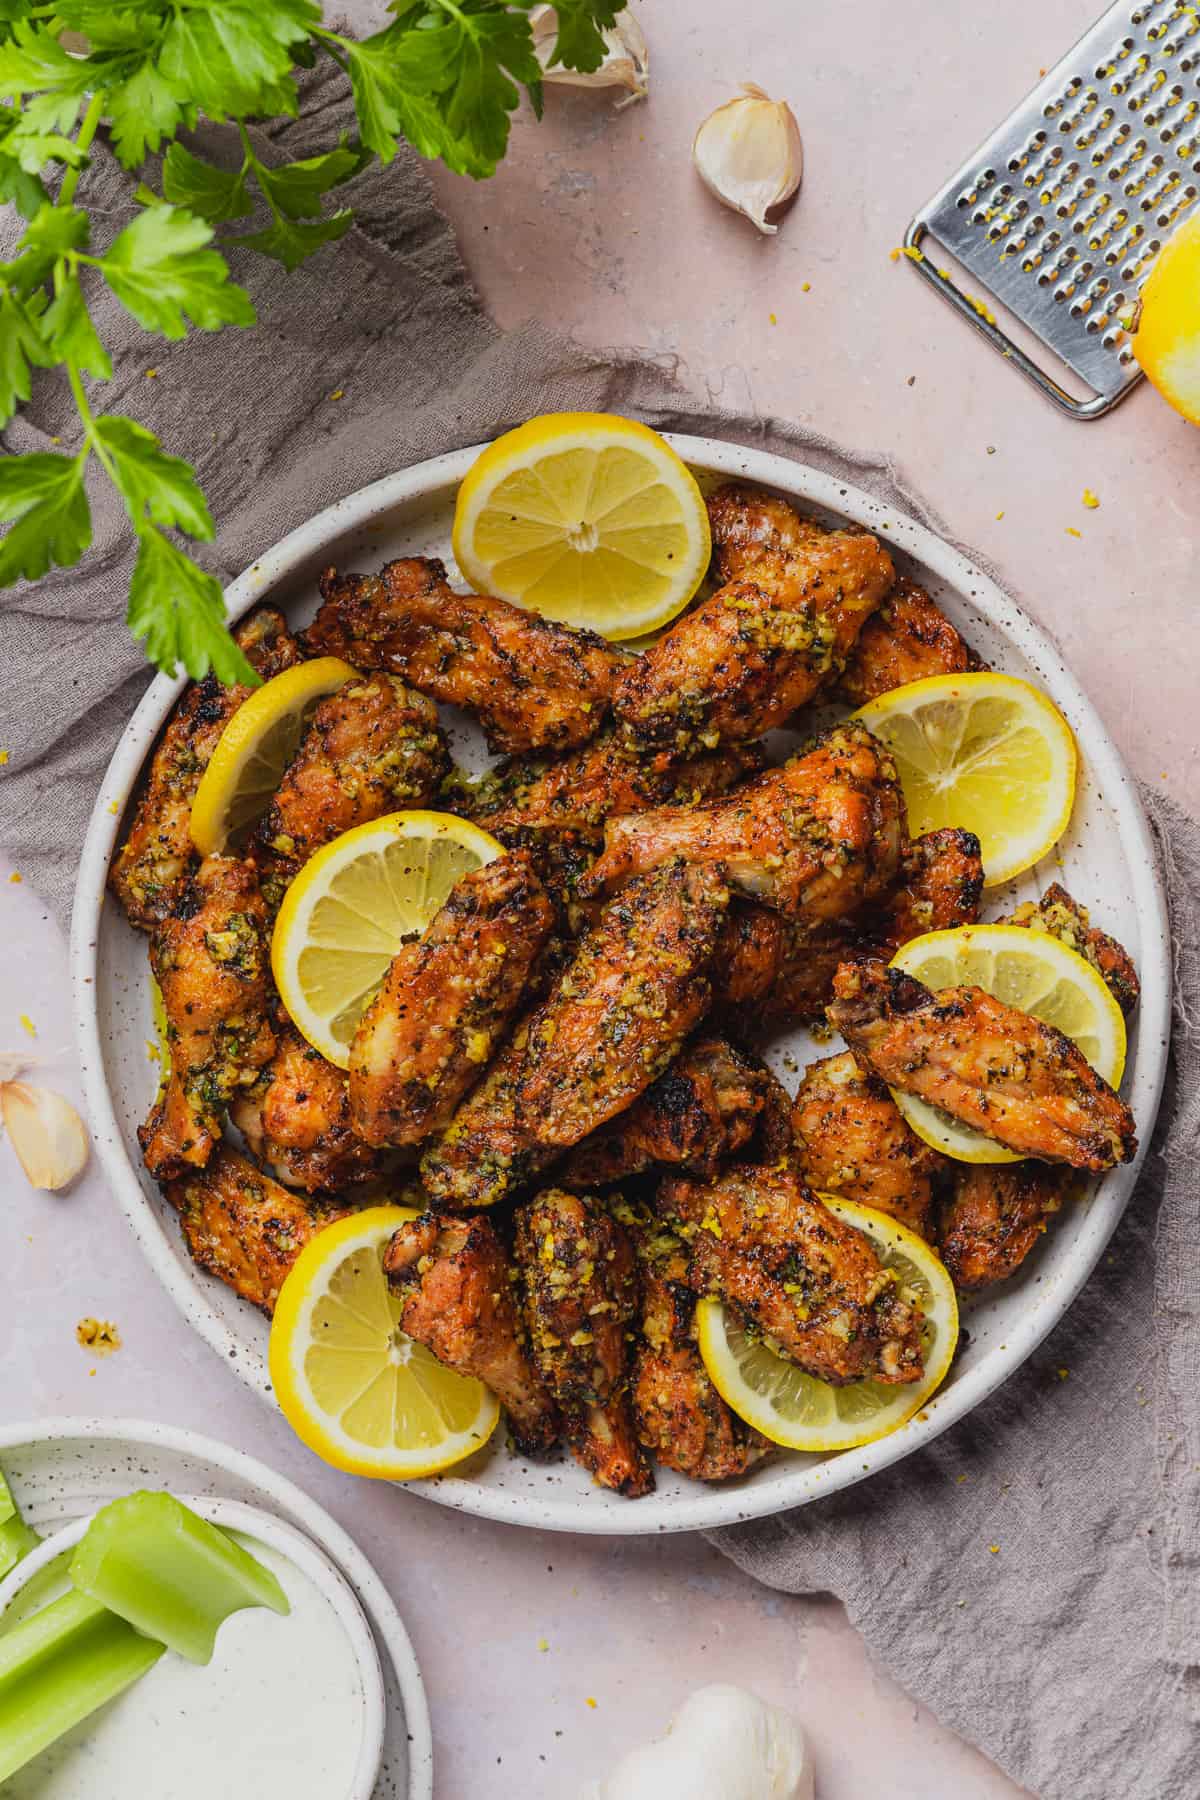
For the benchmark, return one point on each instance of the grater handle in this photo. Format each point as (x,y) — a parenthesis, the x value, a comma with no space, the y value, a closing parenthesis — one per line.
(944,284)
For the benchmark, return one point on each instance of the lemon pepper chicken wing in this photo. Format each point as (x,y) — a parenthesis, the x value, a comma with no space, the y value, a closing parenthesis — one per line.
(210,961)
(852,1139)
(458,1300)
(153,864)
(531,683)
(486,1155)
(763,1242)
(296,1118)
(999,1070)
(429,1033)
(994,1216)
(1061,917)
(940,887)
(908,639)
(580,1284)
(622,1008)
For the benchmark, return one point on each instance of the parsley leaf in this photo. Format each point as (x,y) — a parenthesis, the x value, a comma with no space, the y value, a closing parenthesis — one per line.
(34,62)
(153,484)
(51,234)
(44,494)
(143,111)
(289,241)
(215,194)
(160,271)
(580,44)
(230,57)
(21,345)
(386,109)
(295,189)
(178,609)
(70,336)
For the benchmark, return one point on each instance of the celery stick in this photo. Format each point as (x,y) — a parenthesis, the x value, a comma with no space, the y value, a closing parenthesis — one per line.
(16,1537)
(174,1576)
(59,1666)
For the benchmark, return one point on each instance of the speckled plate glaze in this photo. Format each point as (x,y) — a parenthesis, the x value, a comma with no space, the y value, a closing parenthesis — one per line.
(63,1469)
(1106,859)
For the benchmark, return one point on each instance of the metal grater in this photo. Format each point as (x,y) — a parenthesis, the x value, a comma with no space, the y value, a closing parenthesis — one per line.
(1061,212)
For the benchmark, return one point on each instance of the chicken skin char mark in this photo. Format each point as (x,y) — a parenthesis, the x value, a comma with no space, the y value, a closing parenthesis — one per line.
(151,868)
(446,1000)
(579,1275)
(761,1241)
(531,683)
(852,1139)
(458,1299)
(296,1118)
(996,1069)
(908,639)
(210,961)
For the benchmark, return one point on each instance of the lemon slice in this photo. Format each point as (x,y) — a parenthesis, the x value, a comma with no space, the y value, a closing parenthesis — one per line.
(352,1386)
(985,752)
(1026,969)
(802,1413)
(1166,345)
(354,905)
(587,518)
(255,748)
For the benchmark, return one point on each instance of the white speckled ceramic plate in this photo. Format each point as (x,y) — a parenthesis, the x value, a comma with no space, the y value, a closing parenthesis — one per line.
(1106,859)
(63,1469)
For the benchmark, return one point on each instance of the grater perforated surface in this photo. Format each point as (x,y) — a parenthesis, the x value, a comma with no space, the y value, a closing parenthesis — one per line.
(1061,212)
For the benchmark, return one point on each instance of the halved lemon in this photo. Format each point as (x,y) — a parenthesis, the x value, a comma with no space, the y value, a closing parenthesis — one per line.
(1166,344)
(352,1386)
(985,752)
(352,908)
(587,518)
(1026,969)
(802,1413)
(255,748)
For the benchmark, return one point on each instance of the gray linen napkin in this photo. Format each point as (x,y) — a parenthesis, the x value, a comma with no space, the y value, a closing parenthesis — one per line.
(1072,1655)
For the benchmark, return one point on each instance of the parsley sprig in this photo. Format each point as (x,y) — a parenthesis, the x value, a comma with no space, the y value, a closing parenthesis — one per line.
(444,75)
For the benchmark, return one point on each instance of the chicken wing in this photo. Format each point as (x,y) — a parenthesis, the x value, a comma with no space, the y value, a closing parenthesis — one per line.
(210,961)
(486,1155)
(426,1038)
(762,1241)
(243,1227)
(998,1070)
(995,1215)
(703,1109)
(754,533)
(852,1139)
(1061,917)
(817,839)
(940,887)
(907,640)
(296,1119)
(620,1011)
(678,1414)
(531,683)
(153,864)
(580,1283)
(370,748)
(743,660)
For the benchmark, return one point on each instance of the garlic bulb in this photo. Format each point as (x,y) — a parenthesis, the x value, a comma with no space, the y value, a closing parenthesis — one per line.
(722,1744)
(45,1131)
(749,154)
(626,56)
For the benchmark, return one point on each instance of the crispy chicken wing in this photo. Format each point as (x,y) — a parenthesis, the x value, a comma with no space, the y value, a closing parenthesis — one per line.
(486,1155)
(426,1038)
(532,684)
(817,839)
(580,1281)
(296,1118)
(678,1414)
(153,864)
(210,961)
(995,1215)
(1061,917)
(743,660)
(998,1070)
(762,1241)
(372,747)
(940,887)
(459,1300)
(907,640)
(703,1109)
(243,1227)
(621,1009)
(852,1139)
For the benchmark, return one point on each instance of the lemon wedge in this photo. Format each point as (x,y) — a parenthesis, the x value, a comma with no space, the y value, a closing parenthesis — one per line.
(587,518)
(802,1413)
(1026,969)
(255,748)
(352,1386)
(354,905)
(985,752)
(1166,344)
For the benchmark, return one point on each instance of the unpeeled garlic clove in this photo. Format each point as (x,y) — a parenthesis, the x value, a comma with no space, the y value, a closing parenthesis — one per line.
(749,154)
(46,1133)
(626,56)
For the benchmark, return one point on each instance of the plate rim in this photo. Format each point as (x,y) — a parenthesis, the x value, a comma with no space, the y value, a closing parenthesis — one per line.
(789,1487)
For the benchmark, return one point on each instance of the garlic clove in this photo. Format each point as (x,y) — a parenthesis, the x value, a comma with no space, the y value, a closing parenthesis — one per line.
(46,1133)
(626,56)
(748,153)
